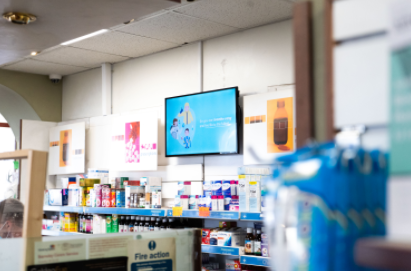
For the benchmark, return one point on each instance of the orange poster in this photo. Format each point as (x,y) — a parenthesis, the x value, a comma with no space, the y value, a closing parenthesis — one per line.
(65,147)
(280,123)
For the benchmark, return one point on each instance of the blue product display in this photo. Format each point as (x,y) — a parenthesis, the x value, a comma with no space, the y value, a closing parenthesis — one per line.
(333,197)
(202,123)
(217,188)
(226,187)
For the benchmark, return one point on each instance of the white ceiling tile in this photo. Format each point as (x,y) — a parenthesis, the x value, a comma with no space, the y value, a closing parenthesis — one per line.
(177,28)
(117,43)
(78,57)
(45,68)
(240,13)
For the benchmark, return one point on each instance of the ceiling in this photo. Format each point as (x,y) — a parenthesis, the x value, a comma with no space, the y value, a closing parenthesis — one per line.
(158,25)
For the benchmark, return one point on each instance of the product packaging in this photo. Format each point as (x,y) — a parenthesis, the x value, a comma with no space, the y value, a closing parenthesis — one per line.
(58,197)
(193,202)
(113,197)
(120,198)
(88,182)
(234,204)
(220,203)
(154,181)
(93,200)
(217,188)
(214,236)
(232,265)
(81,199)
(255,194)
(264,245)
(128,191)
(106,195)
(184,202)
(73,191)
(205,236)
(156,199)
(177,201)
(99,195)
(108,223)
(114,224)
(207,188)
(97,220)
(244,193)
(102,174)
(234,187)
(131,183)
(143,181)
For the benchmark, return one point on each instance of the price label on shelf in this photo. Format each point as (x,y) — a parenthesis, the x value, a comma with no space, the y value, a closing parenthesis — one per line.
(204,211)
(177,211)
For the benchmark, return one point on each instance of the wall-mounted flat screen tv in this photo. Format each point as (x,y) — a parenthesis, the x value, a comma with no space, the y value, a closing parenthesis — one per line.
(202,123)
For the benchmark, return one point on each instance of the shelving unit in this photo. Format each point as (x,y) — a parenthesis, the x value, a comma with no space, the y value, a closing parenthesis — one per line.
(231,251)
(227,215)
(108,210)
(254,260)
(58,233)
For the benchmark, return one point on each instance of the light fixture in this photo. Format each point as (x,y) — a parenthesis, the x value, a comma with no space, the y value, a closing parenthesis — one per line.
(19,18)
(85,37)
(34,53)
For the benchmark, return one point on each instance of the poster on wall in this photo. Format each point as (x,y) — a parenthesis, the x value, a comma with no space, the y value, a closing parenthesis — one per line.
(134,143)
(269,126)
(67,149)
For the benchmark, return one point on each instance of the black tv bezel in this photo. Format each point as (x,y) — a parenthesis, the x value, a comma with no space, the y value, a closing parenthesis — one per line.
(199,93)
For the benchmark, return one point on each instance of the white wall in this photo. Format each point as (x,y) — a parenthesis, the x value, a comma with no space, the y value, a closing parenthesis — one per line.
(82,95)
(252,60)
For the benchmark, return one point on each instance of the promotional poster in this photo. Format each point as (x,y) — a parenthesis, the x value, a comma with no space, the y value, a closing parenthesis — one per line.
(203,123)
(269,126)
(67,149)
(134,142)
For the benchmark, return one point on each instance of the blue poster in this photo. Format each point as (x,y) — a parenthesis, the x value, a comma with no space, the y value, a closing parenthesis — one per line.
(202,123)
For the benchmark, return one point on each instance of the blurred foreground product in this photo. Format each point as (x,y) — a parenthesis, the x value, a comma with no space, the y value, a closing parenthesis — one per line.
(319,202)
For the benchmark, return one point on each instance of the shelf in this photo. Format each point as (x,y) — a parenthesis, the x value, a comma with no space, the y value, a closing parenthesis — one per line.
(58,233)
(251,216)
(254,260)
(125,211)
(70,209)
(107,210)
(383,253)
(232,251)
(213,214)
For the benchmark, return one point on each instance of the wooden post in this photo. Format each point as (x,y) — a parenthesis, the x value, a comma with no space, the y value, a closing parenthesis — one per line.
(33,203)
(303,69)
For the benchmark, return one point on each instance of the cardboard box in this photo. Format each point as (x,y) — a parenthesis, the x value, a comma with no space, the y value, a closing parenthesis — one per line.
(58,197)
(131,183)
(154,181)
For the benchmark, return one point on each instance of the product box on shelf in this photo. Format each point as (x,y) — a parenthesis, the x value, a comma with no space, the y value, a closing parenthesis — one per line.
(156,199)
(232,265)
(66,181)
(205,236)
(119,181)
(217,188)
(132,190)
(73,191)
(102,174)
(105,195)
(154,181)
(131,183)
(58,197)
(244,193)
(144,181)
(214,236)
(88,182)
(264,245)
(207,191)
(254,194)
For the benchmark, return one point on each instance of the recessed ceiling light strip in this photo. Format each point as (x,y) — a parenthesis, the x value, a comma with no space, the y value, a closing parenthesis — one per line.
(85,37)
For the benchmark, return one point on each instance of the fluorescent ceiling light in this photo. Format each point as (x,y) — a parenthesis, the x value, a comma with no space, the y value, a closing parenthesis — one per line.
(85,37)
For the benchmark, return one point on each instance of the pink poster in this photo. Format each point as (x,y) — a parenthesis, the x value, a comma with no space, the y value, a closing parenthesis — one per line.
(132,141)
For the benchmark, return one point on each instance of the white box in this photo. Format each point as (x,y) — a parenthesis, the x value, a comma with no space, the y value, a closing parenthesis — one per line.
(244,192)
(97,224)
(156,199)
(255,194)
(154,181)
(73,195)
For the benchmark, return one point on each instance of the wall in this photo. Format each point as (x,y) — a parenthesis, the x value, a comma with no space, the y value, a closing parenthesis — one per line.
(74,89)
(42,95)
(252,60)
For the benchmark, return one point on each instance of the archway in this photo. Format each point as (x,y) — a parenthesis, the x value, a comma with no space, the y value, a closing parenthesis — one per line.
(13,107)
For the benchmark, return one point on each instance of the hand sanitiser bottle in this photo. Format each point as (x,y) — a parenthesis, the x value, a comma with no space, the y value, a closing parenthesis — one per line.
(280,124)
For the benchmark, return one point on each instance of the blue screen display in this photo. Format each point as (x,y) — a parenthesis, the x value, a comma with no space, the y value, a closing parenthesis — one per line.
(202,123)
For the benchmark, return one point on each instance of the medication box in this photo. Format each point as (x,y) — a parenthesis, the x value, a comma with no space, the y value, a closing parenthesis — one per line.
(58,197)
(214,236)
(255,194)
(244,192)
(205,236)
(232,265)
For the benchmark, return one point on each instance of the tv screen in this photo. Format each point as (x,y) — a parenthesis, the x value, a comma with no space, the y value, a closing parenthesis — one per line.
(202,123)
